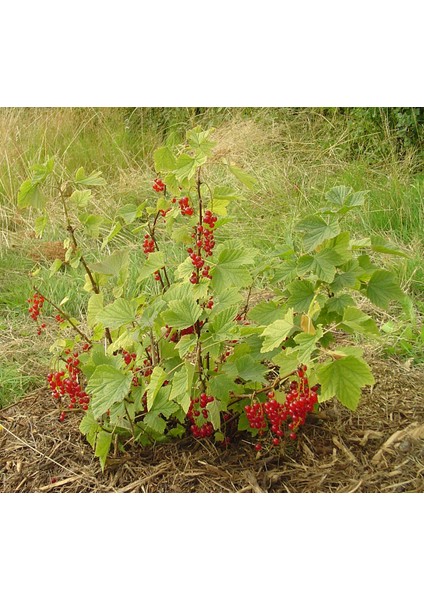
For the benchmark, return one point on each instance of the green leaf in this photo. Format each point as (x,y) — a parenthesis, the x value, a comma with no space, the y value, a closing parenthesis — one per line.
(164,160)
(172,184)
(356,320)
(225,299)
(155,422)
(187,165)
(181,385)
(178,431)
(382,288)
(81,198)
(55,266)
(182,313)
(264,313)
(184,269)
(342,351)
(98,358)
(277,332)
(186,344)
(316,230)
(94,307)
(360,244)
(162,404)
(302,293)
(200,141)
(92,223)
(338,195)
(182,235)
(344,379)
(342,198)
(322,264)
(113,264)
(183,290)
(40,224)
(107,385)
(245,178)
(94,179)
(221,385)
(121,312)
(287,363)
(214,413)
(306,344)
(112,234)
(341,245)
(89,427)
(29,195)
(231,269)
(157,378)
(130,212)
(221,197)
(348,277)
(151,312)
(42,171)
(250,369)
(337,304)
(154,262)
(285,270)
(379,244)
(103,442)
(222,322)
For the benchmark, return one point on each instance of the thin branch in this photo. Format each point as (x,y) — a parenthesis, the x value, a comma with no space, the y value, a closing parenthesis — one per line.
(71,231)
(64,315)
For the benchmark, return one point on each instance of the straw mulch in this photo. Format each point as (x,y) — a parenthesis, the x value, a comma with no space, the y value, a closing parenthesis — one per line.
(380,448)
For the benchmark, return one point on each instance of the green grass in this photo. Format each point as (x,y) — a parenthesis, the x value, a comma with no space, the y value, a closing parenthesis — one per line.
(16,384)
(297,155)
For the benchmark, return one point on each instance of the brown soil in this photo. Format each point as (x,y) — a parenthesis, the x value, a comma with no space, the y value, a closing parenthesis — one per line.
(379,448)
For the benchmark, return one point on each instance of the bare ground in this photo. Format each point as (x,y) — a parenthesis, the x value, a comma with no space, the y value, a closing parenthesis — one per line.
(379,448)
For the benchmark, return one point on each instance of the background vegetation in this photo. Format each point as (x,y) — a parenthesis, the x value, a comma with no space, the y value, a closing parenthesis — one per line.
(295,153)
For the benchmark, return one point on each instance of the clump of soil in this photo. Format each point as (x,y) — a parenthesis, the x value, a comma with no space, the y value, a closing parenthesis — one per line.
(379,448)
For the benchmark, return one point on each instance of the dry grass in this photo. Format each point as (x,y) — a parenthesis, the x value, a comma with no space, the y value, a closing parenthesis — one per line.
(378,449)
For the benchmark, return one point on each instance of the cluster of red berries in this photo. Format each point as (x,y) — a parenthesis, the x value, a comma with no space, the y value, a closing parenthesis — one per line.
(146,370)
(129,358)
(171,335)
(300,400)
(204,238)
(158,185)
(59,318)
(163,213)
(256,417)
(35,305)
(186,209)
(242,320)
(148,244)
(198,410)
(66,383)
(196,259)
(147,367)
(210,219)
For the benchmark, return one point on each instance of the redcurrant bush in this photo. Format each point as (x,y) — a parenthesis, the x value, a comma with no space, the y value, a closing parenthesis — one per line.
(172,342)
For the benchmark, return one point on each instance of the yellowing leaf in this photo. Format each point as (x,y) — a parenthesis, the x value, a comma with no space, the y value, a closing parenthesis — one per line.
(306,324)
